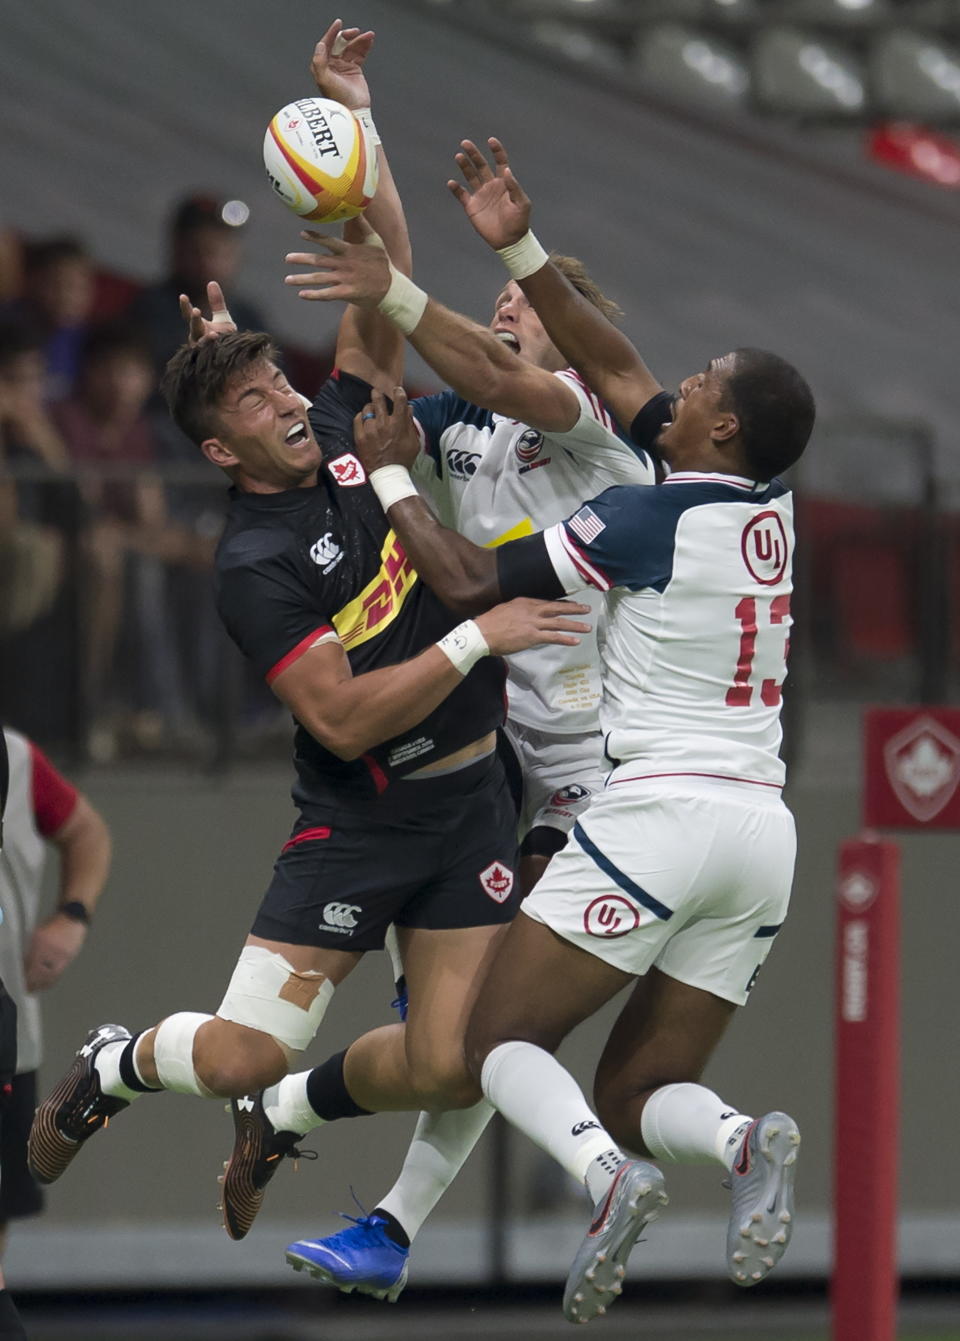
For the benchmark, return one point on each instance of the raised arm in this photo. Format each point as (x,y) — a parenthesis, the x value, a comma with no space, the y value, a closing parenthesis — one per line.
(368,346)
(499,210)
(466,355)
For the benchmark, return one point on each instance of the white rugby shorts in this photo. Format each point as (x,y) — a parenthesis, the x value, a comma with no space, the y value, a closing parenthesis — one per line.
(692,877)
(561,773)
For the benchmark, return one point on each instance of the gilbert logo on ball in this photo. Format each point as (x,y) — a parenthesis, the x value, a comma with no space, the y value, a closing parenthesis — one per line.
(320,160)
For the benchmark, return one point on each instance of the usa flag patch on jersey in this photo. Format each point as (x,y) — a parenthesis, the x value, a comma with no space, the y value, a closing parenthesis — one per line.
(587,525)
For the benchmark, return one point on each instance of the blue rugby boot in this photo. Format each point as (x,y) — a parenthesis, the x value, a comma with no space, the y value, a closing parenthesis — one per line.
(361,1258)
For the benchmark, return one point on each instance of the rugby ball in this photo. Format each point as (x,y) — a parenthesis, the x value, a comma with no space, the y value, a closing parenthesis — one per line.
(320,160)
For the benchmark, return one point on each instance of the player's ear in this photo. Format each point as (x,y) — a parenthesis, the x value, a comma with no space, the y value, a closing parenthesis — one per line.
(725,427)
(219,453)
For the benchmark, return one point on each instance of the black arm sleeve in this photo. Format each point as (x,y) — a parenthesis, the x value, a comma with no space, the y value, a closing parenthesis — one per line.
(524,569)
(649,421)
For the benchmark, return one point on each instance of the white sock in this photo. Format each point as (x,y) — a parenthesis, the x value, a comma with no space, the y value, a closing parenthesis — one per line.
(287,1108)
(534,1092)
(689,1124)
(107,1066)
(440,1146)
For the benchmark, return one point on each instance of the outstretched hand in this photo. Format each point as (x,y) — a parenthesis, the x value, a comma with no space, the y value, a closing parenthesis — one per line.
(198,327)
(337,65)
(493,200)
(385,437)
(526,622)
(348,272)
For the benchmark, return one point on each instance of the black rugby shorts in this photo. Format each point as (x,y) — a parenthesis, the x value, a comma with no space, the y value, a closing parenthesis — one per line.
(437,853)
(20,1193)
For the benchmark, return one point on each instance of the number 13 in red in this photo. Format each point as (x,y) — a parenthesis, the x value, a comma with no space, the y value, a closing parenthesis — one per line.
(740,693)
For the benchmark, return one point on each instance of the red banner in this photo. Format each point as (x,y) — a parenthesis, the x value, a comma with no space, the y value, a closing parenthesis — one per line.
(911,768)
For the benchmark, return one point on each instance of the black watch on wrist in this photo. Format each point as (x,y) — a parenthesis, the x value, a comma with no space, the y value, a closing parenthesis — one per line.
(76,911)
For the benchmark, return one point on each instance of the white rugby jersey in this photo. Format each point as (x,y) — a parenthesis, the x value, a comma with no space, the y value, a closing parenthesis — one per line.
(494,479)
(698,573)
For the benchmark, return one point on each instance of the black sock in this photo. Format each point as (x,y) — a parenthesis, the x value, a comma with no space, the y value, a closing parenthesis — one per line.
(128,1072)
(11,1328)
(393,1229)
(327,1092)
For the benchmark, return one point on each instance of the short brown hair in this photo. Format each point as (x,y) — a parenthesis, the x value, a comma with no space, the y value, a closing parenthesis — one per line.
(197,375)
(576,273)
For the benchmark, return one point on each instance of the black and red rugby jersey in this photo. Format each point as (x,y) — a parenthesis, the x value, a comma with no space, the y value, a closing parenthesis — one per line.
(293,566)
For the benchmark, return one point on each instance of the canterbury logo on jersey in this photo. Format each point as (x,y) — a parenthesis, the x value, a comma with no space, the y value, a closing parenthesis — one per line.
(462,465)
(382,598)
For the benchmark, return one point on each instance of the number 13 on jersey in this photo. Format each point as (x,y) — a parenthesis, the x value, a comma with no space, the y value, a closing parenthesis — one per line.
(758,620)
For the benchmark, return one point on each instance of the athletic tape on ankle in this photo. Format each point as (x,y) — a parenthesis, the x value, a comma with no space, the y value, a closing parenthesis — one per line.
(365,117)
(173,1053)
(464,645)
(523,258)
(268,993)
(404,303)
(391,484)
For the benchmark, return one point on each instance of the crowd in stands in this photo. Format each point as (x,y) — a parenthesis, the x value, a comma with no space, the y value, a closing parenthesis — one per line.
(108,518)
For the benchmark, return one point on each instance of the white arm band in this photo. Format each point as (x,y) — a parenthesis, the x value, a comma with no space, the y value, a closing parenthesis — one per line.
(365,117)
(523,258)
(403,302)
(391,484)
(464,645)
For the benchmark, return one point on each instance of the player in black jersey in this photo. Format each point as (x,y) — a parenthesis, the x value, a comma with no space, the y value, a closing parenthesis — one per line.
(404,812)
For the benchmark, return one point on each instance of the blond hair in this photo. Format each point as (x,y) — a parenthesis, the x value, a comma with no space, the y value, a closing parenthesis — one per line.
(576,272)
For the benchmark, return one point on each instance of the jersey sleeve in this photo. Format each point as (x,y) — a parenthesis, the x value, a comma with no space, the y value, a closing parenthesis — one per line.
(649,420)
(623,538)
(54,799)
(331,415)
(267,606)
(596,438)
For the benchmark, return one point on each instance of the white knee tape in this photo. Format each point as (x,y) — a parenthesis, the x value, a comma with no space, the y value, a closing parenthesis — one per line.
(267,993)
(173,1053)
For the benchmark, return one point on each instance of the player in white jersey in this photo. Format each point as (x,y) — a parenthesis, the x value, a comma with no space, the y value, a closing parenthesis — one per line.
(678,875)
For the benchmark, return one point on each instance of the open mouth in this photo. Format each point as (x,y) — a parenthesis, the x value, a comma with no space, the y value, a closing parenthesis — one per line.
(509,339)
(297,435)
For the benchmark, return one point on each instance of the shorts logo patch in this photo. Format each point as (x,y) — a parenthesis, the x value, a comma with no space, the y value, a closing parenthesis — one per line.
(347,471)
(340,917)
(579,1128)
(497,881)
(611,916)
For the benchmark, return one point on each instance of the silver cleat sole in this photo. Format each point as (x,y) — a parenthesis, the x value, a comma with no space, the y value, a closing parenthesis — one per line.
(596,1276)
(762,1217)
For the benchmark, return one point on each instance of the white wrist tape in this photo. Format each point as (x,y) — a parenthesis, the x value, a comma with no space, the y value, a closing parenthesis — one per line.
(365,117)
(403,302)
(464,645)
(391,484)
(523,258)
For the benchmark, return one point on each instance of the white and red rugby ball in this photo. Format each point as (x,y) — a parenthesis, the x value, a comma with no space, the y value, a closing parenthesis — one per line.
(320,160)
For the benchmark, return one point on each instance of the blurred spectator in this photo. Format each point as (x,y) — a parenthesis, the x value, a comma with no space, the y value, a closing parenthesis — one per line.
(11,265)
(202,247)
(43,809)
(30,550)
(56,301)
(132,670)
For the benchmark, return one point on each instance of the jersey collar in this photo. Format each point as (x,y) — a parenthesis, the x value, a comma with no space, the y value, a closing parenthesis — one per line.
(714,477)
